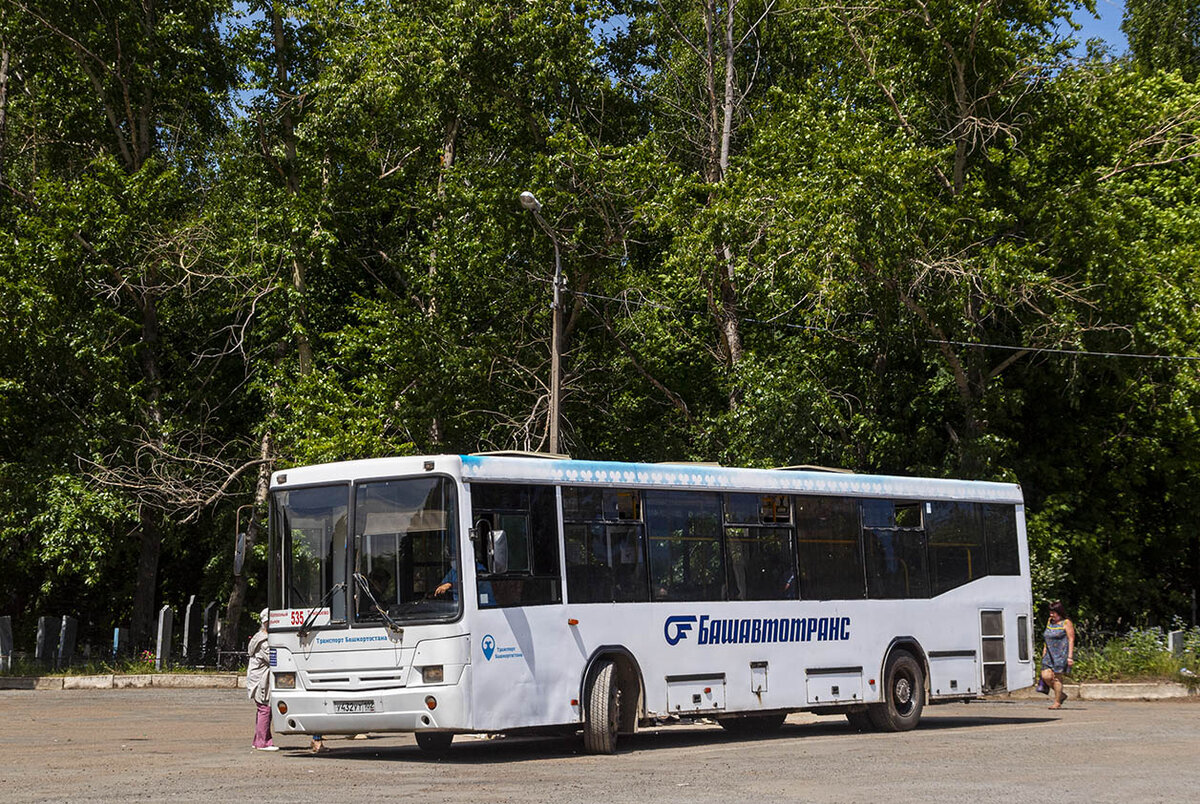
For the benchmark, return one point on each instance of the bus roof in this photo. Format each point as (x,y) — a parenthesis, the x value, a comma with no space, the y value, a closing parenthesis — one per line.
(655,475)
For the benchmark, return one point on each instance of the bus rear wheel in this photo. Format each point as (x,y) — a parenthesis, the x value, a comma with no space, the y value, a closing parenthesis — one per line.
(753,724)
(434,741)
(603,714)
(903,695)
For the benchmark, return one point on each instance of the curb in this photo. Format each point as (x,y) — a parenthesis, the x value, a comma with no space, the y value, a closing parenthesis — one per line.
(111,682)
(87,682)
(131,682)
(1116,691)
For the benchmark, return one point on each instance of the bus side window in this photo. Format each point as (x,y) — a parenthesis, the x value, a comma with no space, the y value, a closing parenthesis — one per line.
(829,549)
(683,530)
(894,549)
(605,545)
(956,550)
(528,516)
(1000,530)
(758,545)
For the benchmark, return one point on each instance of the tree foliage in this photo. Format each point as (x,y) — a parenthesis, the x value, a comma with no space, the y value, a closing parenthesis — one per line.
(1164,35)
(909,237)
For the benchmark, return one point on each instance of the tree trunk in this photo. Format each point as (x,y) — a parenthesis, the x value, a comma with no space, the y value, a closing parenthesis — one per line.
(963,106)
(730,88)
(281,81)
(304,353)
(712,159)
(150,522)
(729,318)
(230,638)
(292,181)
(449,150)
(146,588)
(3,107)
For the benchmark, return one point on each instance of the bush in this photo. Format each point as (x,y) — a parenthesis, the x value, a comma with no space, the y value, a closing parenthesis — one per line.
(142,664)
(1140,654)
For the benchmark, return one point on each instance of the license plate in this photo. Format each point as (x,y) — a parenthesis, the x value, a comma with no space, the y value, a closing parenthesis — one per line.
(352,707)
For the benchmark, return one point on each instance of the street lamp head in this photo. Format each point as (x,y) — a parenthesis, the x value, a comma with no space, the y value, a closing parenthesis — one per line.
(530,202)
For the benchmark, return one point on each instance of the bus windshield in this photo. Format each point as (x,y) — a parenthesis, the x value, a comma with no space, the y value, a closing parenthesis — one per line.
(406,552)
(309,539)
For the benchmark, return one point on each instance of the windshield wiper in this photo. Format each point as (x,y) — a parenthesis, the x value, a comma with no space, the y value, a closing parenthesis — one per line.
(315,610)
(391,624)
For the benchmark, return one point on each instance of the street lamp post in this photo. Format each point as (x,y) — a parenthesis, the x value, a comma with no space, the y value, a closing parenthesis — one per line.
(533,205)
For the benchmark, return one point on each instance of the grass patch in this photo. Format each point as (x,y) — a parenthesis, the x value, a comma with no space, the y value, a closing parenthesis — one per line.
(1141,654)
(142,665)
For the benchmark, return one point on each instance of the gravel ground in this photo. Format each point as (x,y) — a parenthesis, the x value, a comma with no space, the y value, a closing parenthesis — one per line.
(194,745)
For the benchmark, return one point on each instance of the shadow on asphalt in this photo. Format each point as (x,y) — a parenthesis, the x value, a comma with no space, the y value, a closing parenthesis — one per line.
(469,750)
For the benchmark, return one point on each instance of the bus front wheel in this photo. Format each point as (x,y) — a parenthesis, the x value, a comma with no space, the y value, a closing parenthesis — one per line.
(903,695)
(434,741)
(603,714)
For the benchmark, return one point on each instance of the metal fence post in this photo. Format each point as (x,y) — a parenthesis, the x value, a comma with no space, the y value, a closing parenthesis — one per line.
(6,643)
(162,656)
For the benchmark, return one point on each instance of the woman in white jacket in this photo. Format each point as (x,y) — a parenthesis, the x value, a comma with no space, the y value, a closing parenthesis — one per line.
(257,684)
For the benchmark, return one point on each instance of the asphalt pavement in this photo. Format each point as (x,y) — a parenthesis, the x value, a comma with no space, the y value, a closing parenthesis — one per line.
(194,745)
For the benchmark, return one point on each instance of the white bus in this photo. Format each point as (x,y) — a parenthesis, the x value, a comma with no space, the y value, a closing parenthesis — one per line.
(456,594)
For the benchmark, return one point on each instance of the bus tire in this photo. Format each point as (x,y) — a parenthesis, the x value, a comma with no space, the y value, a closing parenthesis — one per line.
(903,694)
(860,720)
(603,714)
(434,741)
(753,724)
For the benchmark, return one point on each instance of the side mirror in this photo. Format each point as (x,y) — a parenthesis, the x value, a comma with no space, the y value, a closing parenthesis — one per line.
(239,553)
(497,552)
(239,537)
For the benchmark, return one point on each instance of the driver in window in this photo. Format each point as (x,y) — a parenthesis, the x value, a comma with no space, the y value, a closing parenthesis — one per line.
(383,585)
(450,584)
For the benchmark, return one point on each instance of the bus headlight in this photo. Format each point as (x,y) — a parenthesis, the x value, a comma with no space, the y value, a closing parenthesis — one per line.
(285,681)
(433,674)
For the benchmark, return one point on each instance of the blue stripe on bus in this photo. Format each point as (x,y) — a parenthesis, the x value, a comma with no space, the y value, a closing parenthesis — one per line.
(610,473)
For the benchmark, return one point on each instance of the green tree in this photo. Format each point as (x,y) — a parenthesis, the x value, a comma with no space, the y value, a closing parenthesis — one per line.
(116,104)
(1164,35)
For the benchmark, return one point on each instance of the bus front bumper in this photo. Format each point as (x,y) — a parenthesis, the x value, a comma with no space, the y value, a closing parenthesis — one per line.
(396,710)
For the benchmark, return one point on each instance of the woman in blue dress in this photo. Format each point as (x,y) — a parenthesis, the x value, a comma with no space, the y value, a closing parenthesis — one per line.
(1059,652)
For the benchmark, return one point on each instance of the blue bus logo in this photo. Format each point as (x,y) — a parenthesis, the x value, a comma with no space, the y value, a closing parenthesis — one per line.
(751,630)
(489,647)
(682,624)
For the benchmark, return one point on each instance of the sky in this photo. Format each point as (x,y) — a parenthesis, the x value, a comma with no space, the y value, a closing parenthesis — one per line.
(1108,27)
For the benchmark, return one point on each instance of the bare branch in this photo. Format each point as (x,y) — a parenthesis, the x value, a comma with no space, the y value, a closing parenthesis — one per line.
(181,478)
(1169,140)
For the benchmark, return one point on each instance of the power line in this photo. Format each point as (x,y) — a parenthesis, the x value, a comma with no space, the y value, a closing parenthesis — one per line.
(668,309)
(964,344)
(1073,352)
